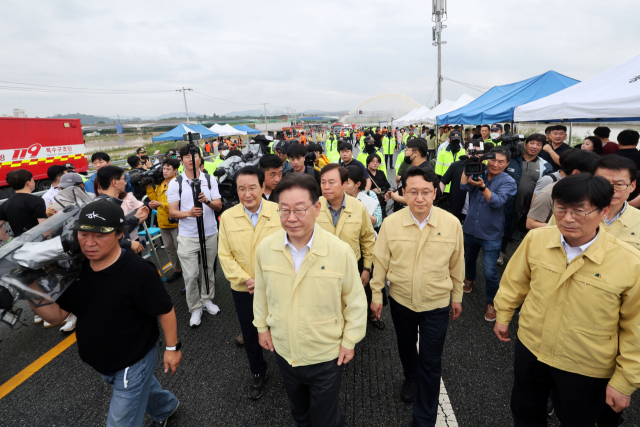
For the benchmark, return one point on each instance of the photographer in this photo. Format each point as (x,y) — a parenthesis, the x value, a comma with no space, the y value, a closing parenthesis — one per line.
(300,163)
(136,168)
(484,226)
(111,180)
(321,160)
(168,230)
(181,207)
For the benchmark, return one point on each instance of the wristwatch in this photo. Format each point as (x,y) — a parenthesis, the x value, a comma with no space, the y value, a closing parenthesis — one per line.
(175,347)
(483,188)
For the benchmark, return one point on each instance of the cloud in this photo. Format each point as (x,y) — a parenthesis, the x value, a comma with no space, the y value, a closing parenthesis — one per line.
(328,55)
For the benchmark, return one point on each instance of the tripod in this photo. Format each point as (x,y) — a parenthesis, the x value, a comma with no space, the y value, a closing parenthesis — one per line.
(196,190)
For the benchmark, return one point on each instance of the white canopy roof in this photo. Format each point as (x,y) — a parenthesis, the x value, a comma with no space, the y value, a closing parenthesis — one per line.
(447,106)
(226,130)
(408,118)
(613,95)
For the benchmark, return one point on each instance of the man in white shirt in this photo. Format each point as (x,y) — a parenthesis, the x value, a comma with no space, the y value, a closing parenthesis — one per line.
(54,173)
(181,207)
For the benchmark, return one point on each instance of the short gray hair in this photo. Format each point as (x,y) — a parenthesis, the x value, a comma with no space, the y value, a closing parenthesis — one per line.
(500,149)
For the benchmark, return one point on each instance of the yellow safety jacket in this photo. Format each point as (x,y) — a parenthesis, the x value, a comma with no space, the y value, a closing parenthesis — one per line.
(444,160)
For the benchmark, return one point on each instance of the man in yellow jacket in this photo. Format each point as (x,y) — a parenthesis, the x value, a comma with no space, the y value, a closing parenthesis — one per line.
(346,217)
(579,325)
(242,228)
(420,250)
(309,305)
(168,230)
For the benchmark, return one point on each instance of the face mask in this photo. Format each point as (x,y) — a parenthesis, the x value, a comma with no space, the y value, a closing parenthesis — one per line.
(407,159)
(455,145)
(370,149)
(224,153)
(494,135)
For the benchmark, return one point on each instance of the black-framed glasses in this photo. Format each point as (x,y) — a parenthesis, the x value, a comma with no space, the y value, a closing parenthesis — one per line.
(620,187)
(575,214)
(298,212)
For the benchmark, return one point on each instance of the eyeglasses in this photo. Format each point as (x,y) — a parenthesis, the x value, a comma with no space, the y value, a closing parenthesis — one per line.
(620,187)
(425,193)
(298,212)
(578,215)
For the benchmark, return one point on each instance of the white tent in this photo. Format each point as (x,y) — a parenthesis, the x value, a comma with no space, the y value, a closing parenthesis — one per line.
(226,130)
(446,108)
(408,118)
(613,95)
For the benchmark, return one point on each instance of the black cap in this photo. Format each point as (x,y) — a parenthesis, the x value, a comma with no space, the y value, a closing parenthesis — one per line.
(101,216)
(497,126)
(282,145)
(141,149)
(368,140)
(455,134)
(69,166)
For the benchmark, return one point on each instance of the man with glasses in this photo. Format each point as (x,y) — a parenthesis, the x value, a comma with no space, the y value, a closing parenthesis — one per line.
(420,250)
(579,325)
(309,305)
(242,228)
(484,225)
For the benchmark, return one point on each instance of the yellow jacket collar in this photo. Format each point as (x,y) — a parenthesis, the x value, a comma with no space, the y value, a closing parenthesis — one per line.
(407,220)
(348,204)
(320,245)
(595,252)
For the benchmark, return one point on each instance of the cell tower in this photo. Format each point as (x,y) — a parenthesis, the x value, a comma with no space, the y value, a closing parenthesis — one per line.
(439,15)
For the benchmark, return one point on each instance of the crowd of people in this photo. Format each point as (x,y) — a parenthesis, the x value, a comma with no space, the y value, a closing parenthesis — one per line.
(322,240)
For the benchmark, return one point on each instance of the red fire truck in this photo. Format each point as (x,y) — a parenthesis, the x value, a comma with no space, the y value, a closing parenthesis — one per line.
(36,144)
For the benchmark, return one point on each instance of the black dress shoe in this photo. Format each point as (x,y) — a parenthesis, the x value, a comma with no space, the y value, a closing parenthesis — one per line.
(239,340)
(257,388)
(408,391)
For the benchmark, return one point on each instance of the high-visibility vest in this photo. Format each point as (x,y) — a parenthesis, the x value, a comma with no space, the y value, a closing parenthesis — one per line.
(388,144)
(444,160)
(399,160)
(332,152)
(362,158)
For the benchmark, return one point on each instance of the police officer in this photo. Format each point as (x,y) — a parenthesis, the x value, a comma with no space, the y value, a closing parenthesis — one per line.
(579,324)
(420,250)
(309,305)
(388,146)
(370,148)
(242,228)
(331,148)
(448,155)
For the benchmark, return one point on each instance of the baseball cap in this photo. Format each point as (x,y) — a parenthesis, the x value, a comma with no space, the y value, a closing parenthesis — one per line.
(69,180)
(101,216)
(455,134)
(69,166)
(368,140)
(496,127)
(141,150)
(281,145)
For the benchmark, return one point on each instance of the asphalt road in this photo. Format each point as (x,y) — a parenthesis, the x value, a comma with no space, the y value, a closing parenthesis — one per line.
(214,376)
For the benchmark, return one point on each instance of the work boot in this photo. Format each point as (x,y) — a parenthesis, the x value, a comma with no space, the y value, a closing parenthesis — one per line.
(490,313)
(408,391)
(239,340)
(257,388)
(468,285)
(501,258)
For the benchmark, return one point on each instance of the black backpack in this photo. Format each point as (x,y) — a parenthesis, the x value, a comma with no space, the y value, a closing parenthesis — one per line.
(526,204)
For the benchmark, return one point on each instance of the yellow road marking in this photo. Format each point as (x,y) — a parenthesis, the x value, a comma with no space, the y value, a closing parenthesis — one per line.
(23,375)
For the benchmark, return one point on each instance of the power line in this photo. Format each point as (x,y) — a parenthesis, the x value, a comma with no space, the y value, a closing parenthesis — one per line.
(224,100)
(479,88)
(30,87)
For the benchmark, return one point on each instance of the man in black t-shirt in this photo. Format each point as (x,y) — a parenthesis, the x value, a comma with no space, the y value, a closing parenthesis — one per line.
(551,152)
(346,159)
(119,299)
(628,142)
(23,210)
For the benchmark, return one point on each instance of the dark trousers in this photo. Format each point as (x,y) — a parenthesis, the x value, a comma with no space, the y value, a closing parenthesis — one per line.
(578,400)
(388,160)
(424,367)
(244,307)
(510,225)
(314,392)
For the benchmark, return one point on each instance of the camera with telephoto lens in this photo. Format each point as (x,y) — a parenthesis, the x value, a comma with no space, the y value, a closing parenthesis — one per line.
(148,177)
(512,140)
(310,159)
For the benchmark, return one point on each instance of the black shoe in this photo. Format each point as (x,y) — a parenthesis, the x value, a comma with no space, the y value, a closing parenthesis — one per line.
(183,291)
(175,276)
(239,340)
(257,388)
(550,409)
(163,423)
(408,391)
(413,424)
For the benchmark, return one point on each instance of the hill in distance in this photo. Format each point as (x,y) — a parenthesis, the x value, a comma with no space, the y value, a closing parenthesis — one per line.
(85,119)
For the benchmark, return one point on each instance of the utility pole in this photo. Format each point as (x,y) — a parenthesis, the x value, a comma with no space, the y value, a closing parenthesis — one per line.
(439,14)
(266,124)
(287,114)
(184,94)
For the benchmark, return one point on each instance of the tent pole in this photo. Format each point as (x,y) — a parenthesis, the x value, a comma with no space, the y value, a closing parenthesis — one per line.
(570,132)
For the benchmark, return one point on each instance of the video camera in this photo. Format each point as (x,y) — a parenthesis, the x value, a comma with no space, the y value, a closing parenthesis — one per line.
(474,167)
(148,177)
(511,140)
(310,158)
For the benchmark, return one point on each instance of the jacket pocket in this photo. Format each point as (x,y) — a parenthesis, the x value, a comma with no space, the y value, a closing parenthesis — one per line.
(279,334)
(531,321)
(587,345)
(323,335)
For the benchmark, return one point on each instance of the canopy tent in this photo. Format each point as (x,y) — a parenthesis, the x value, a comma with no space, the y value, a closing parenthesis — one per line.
(445,107)
(408,118)
(226,130)
(613,95)
(176,133)
(248,129)
(499,102)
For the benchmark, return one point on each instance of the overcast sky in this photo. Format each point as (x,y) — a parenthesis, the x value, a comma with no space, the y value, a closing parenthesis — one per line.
(322,54)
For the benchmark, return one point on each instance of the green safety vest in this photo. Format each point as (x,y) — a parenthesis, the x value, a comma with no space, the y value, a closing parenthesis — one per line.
(445,159)
(362,138)
(332,152)
(388,145)
(399,160)
(362,158)
(210,167)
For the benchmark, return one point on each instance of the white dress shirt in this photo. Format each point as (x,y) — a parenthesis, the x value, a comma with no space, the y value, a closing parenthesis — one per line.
(254,216)
(573,252)
(422,224)
(298,255)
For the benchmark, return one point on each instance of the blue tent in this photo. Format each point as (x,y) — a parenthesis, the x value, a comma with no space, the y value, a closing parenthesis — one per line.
(499,102)
(176,133)
(248,129)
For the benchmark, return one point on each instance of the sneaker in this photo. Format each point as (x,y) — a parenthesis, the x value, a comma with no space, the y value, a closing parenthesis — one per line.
(501,258)
(408,391)
(163,423)
(37,319)
(550,409)
(239,340)
(70,325)
(183,291)
(211,308)
(47,325)
(196,316)
(257,388)
(490,314)
(468,285)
